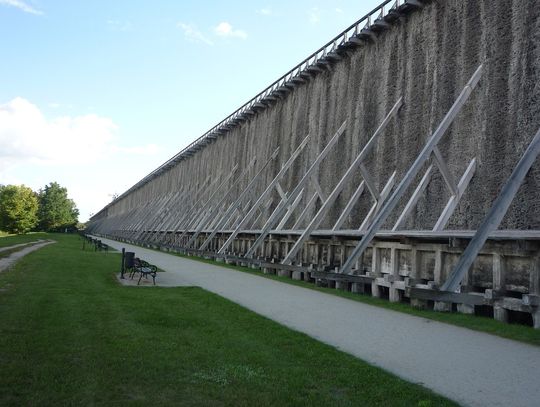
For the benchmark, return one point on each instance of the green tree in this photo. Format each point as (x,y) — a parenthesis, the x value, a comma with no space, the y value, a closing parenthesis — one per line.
(56,210)
(18,208)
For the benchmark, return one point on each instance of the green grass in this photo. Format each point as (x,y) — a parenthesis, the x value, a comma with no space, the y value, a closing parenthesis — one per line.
(70,335)
(10,240)
(516,332)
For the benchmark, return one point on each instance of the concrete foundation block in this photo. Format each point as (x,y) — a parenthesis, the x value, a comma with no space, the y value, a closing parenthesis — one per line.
(284,273)
(357,288)
(219,260)
(536,319)
(340,285)
(394,295)
(441,306)
(465,309)
(420,304)
(375,290)
(500,314)
(266,270)
(297,275)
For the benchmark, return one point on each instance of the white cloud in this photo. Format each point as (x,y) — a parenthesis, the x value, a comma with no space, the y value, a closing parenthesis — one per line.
(82,153)
(314,15)
(21,5)
(267,11)
(193,34)
(224,29)
(27,135)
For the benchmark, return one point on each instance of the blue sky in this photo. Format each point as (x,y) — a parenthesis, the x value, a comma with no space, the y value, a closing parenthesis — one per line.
(97,94)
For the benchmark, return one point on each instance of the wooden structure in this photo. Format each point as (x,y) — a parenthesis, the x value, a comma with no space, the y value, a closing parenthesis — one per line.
(311,207)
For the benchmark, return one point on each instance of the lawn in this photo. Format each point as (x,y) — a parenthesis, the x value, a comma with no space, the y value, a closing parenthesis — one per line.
(10,240)
(516,332)
(70,335)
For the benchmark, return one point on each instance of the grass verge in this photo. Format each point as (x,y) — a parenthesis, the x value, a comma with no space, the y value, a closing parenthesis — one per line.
(70,335)
(521,333)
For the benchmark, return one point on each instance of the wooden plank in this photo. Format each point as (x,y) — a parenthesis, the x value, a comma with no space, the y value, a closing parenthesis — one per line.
(446,296)
(351,278)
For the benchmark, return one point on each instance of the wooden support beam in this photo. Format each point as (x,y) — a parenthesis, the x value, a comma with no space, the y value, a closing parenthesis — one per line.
(264,195)
(414,199)
(350,204)
(413,171)
(327,204)
(454,199)
(447,297)
(495,215)
(299,187)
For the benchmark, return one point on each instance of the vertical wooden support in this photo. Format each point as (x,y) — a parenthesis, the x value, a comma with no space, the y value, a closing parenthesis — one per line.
(394,293)
(499,276)
(375,271)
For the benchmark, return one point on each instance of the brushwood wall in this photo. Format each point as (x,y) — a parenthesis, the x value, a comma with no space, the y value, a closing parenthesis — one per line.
(426,57)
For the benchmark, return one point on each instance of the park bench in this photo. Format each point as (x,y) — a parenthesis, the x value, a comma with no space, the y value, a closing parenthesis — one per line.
(144,269)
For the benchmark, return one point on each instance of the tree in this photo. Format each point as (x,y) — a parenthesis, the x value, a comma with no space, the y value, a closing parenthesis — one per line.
(56,210)
(18,208)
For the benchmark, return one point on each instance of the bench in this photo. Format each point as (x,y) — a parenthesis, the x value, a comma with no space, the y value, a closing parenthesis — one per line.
(144,269)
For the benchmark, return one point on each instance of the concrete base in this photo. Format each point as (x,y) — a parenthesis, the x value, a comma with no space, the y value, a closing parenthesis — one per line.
(441,306)
(375,290)
(465,309)
(269,271)
(394,295)
(297,275)
(284,273)
(420,304)
(219,260)
(357,288)
(340,285)
(536,319)
(500,314)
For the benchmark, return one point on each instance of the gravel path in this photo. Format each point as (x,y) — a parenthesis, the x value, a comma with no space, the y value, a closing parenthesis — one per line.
(469,367)
(8,261)
(5,249)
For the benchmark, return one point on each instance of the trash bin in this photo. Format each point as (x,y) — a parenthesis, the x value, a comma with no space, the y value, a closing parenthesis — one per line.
(129,260)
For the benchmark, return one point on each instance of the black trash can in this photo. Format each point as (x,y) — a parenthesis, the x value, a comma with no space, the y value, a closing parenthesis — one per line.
(129,260)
